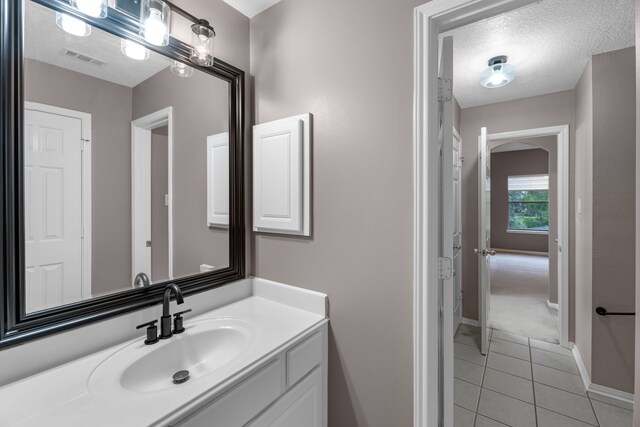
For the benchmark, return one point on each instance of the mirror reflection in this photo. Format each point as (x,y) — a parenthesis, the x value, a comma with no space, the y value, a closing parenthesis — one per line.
(126,178)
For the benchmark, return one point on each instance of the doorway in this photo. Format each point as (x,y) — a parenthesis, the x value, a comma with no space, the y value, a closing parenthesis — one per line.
(152,195)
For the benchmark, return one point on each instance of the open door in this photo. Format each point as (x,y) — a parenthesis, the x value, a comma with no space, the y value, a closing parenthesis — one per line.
(484,250)
(447,226)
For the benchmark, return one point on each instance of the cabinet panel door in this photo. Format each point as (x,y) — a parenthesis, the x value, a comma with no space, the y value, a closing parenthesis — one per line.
(299,407)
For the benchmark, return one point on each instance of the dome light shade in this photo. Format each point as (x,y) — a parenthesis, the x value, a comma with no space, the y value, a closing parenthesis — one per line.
(498,74)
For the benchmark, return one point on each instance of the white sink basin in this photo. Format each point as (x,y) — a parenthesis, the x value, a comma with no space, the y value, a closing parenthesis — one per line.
(206,347)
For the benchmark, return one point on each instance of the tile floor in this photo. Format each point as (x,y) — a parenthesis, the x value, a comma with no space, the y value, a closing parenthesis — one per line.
(525,383)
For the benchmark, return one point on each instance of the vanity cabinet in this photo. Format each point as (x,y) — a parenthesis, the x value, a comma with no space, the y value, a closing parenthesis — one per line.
(288,389)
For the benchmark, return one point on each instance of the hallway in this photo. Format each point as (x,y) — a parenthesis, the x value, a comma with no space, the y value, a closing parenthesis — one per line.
(525,382)
(519,294)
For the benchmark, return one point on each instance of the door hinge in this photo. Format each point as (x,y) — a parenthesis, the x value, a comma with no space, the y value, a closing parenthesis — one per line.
(445,268)
(444,89)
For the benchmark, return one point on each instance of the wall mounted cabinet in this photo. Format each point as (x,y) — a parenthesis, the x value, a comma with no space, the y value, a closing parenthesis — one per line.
(282,176)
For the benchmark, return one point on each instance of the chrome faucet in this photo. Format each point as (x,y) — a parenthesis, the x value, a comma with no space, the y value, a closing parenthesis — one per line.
(165,320)
(141,281)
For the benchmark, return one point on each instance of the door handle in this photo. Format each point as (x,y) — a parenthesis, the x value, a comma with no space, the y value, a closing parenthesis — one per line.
(485,252)
(457,246)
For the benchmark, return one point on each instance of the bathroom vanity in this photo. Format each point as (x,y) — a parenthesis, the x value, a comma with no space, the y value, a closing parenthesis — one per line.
(260,360)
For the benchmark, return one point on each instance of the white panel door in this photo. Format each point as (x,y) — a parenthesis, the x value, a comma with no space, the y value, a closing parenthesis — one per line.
(218,180)
(457,232)
(53,210)
(277,180)
(484,250)
(447,227)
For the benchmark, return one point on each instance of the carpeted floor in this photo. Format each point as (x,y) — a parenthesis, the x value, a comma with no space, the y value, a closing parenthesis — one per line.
(519,293)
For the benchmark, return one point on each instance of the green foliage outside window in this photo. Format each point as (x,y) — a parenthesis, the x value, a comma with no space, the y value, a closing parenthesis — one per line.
(529,210)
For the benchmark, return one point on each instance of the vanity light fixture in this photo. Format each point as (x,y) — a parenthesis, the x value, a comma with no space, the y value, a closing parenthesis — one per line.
(180,69)
(202,38)
(95,8)
(155,22)
(71,25)
(134,50)
(498,74)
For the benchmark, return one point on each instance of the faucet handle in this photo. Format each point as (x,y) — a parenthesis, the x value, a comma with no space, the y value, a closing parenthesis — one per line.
(152,332)
(178,327)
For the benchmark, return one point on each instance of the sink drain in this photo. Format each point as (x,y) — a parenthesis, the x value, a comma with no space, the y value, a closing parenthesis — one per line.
(181,377)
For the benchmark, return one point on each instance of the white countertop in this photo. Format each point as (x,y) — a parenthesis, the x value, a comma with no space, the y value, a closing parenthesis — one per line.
(62,396)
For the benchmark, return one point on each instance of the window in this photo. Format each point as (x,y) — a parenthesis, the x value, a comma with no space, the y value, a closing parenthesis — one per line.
(528,203)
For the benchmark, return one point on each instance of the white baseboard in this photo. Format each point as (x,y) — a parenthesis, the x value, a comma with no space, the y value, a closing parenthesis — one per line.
(622,396)
(552,305)
(470,322)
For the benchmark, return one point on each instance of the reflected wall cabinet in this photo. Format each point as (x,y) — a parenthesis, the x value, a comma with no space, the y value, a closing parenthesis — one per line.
(281,176)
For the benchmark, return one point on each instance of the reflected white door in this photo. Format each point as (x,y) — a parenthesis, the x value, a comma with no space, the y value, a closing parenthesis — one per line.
(484,250)
(447,226)
(53,210)
(457,231)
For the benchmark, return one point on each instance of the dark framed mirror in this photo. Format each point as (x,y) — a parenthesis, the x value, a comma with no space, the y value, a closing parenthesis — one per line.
(121,168)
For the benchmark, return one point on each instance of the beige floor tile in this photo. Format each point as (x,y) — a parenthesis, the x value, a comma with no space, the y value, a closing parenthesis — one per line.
(465,394)
(510,365)
(510,349)
(468,353)
(554,348)
(547,418)
(612,416)
(558,379)
(463,417)
(488,422)
(564,403)
(467,371)
(508,336)
(554,360)
(507,384)
(507,410)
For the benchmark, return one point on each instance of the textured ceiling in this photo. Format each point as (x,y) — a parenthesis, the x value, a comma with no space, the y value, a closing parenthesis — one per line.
(251,8)
(548,42)
(44,41)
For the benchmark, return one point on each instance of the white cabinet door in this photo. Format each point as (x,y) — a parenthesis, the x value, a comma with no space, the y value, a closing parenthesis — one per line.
(281,176)
(299,407)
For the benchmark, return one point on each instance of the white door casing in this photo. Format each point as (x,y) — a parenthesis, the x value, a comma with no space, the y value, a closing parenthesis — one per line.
(457,231)
(484,250)
(54,249)
(141,190)
(447,227)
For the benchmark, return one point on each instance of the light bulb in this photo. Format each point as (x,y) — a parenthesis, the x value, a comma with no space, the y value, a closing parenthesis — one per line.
(72,25)
(95,8)
(181,70)
(497,79)
(154,29)
(134,50)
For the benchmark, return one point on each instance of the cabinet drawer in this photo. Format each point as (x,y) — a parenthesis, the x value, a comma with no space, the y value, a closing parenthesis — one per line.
(302,358)
(243,402)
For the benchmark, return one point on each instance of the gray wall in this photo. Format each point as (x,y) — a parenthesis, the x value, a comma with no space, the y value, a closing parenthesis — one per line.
(503,165)
(636,413)
(583,218)
(200,108)
(159,210)
(613,217)
(540,111)
(351,66)
(110,107)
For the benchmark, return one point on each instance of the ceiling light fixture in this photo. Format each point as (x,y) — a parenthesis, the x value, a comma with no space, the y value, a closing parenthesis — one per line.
(71,25)
(498,74)
(133,50)
(95,8)
(180,69)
